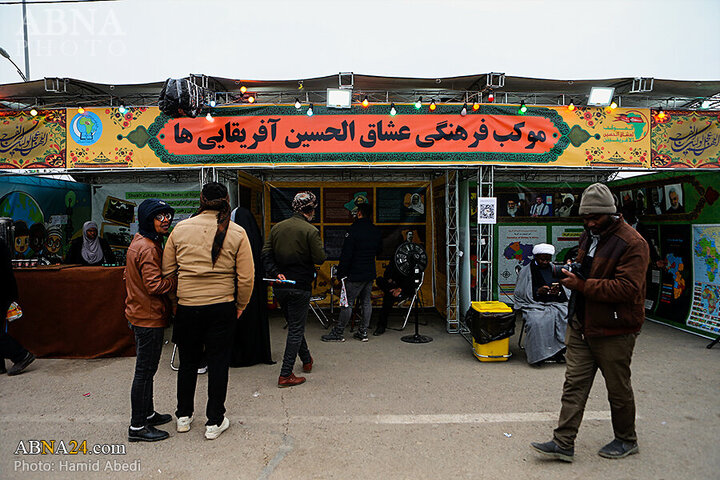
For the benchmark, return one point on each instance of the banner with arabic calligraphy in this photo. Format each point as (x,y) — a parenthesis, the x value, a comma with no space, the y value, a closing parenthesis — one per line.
(686,140)
(285,136)
(32,142)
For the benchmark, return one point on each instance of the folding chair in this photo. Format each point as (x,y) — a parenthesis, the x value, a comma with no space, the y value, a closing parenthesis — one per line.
(315,308)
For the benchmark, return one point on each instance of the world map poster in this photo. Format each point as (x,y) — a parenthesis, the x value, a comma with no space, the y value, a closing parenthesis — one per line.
(515,245)
(705,307)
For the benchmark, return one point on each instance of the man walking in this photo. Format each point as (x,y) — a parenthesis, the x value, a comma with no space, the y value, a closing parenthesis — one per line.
(363,242)
(605,315)
(213,260)
(147,310)
(291,252)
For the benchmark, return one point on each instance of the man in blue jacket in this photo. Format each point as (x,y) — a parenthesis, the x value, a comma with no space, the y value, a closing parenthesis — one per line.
(363,242)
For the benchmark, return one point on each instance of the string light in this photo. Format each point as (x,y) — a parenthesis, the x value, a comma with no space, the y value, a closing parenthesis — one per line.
(209,117)
(491,97)
(418,103)
(661,114)
(212,103)
(300,85)
(33,112)
(243,89)
(476,106)
(571,106)
(393,112)
(365,102)
(123,110)
(310,111)
(523,108)
(432,106)
(298,104)
(613,106)
(463,112)
(251,99)
(81,110)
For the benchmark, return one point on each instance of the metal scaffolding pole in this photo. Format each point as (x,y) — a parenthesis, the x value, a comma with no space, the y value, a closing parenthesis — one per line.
(484,285)
(451,250)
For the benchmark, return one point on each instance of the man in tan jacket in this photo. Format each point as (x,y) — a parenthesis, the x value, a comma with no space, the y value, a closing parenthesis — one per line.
(147,310)
(214,263)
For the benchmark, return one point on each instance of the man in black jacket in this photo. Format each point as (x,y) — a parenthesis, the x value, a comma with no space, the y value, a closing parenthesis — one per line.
(9,347)
(363,242)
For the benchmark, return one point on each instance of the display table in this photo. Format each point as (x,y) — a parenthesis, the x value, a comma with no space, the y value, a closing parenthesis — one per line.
(73,312)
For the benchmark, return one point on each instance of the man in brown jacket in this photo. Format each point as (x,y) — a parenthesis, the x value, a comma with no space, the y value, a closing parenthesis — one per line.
(606,313)
(147,310)
(214,262)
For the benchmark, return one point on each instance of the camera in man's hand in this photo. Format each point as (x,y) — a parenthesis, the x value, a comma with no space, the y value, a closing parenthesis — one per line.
(573,267)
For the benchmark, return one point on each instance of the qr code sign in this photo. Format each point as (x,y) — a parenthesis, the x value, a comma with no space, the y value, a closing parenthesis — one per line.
(487,210)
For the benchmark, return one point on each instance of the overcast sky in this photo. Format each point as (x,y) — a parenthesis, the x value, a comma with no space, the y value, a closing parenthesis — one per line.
(134,41)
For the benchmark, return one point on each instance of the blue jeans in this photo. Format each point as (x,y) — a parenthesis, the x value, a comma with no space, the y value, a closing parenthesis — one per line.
(295,304)
(355,290)
(148,347)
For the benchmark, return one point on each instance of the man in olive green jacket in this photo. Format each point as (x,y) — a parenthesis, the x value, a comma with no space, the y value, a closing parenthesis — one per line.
(290,253)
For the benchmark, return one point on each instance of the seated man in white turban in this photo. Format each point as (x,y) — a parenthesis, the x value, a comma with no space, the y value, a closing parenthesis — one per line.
(543,303)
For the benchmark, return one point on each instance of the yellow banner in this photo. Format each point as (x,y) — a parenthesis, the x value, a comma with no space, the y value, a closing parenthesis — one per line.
(32,142)
(682,139)
(283,136)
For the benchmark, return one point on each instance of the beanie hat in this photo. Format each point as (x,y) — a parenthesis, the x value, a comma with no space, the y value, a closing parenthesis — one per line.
(597,198)
(304,201)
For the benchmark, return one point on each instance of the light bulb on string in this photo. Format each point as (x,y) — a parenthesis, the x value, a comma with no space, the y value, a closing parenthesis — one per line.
(476,106)
(209,117)
(661,114)
(432,106)
(251,99)
(613,106)
(393,112)
(33,112)
(571,106)
(463,112)
(491,97)
(298,104)
(81,110)
(365,102)
(418,103)
(213,103)
(122,109)
(523,108)
(243,89)
(310,111)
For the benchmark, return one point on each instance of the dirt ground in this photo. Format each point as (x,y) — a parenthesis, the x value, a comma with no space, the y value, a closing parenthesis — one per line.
(378,410)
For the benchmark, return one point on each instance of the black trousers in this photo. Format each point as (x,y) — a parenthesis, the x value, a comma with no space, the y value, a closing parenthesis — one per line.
(295,304)
(208,328)
(9,347)
(148,348)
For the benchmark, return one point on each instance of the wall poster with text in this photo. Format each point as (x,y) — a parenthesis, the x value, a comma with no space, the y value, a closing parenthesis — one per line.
(515,244)
(705,307)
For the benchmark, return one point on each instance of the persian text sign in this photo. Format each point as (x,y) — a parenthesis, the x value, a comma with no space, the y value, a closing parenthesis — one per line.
(359,133)
(28,141)
(686,139)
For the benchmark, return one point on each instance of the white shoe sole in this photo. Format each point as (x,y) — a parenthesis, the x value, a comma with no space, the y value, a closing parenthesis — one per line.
(185,427)
(215,432)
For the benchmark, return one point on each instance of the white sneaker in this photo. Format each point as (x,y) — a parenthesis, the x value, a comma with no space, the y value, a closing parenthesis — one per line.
(202,370)
(214,431)
(183,424)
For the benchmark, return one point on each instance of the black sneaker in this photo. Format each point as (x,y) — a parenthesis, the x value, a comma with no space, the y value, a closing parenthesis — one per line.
(552,450)
(379,331)
(361,336)
(18,367)
(158,419)
(147,434)
(618,449)
(333,337)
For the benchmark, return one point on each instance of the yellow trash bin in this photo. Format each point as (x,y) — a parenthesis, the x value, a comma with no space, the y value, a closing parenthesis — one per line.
(502,317)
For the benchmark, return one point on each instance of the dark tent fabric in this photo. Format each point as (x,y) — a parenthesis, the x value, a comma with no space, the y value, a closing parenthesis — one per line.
(252,335)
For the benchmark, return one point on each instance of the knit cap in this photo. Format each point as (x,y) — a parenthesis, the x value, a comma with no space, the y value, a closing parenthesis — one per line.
(597,198)
(303,200)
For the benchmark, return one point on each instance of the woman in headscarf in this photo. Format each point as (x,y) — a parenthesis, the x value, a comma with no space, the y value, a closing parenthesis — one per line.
(90,249)
(252,337)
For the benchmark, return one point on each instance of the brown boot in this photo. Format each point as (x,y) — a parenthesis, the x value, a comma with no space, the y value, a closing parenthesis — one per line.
(307,367)
(290,381)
